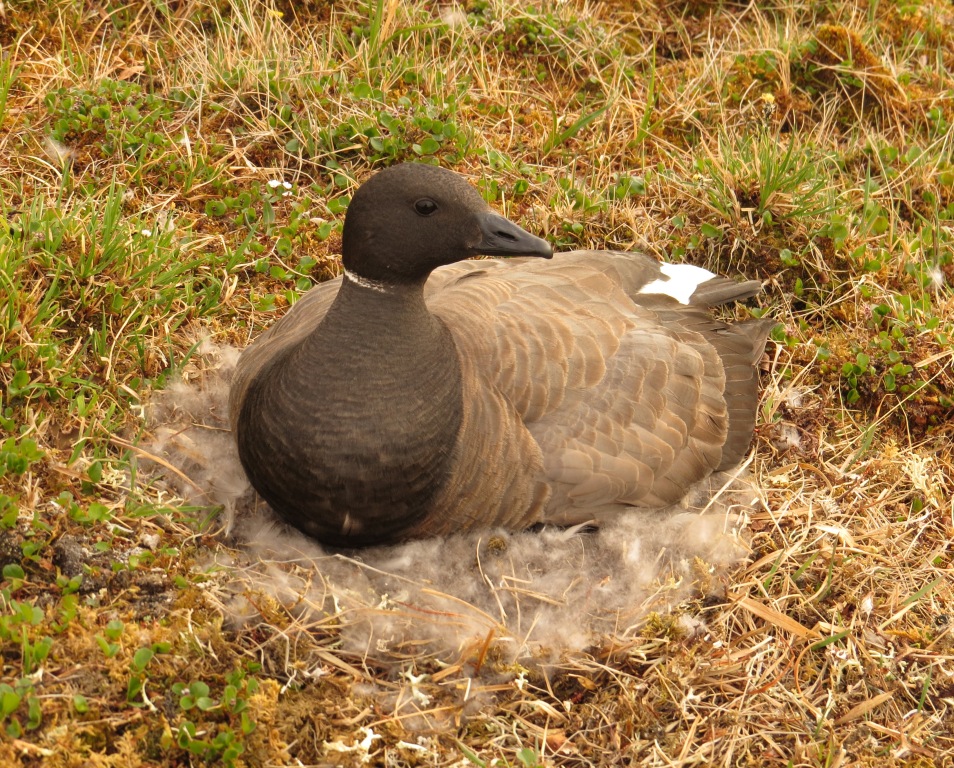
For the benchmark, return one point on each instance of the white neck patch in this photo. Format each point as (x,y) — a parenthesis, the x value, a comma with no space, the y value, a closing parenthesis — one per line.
(364,282)
(682,283)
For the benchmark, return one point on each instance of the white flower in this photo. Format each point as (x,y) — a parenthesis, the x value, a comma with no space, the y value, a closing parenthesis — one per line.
(285,185)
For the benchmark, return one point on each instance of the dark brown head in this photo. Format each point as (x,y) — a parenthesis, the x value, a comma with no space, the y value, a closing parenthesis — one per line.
(409,219)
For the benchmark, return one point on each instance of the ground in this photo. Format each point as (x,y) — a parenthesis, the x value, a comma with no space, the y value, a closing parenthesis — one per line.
(173,172)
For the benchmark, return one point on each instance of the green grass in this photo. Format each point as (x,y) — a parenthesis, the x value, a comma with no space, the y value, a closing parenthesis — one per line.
(174,171)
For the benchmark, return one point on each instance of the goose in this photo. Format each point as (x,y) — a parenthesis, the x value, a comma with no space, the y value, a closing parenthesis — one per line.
(421,393)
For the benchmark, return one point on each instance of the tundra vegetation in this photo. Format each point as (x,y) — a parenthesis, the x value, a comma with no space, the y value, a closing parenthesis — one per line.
(177,170)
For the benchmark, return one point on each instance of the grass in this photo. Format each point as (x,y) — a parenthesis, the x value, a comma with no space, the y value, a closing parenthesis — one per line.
(176,170)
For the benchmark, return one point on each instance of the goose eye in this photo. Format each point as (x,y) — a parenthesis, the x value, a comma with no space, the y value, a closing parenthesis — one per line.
(425,206)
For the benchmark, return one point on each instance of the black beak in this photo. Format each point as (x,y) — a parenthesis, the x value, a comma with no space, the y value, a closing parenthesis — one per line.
(504,238)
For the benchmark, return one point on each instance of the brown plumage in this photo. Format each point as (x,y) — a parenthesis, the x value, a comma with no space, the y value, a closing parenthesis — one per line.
(416,396)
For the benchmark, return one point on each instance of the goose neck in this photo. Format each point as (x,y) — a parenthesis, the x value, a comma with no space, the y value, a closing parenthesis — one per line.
(366,307)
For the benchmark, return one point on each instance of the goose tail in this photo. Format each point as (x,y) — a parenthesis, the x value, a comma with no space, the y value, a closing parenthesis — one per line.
(741,346)
(722,290)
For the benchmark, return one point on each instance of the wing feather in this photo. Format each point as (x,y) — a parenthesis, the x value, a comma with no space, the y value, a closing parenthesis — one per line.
(623,408)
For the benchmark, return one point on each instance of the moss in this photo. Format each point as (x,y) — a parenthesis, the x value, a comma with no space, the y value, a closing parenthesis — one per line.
(836,61)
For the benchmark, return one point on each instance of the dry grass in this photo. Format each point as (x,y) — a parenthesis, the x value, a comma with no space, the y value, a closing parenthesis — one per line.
(807,145)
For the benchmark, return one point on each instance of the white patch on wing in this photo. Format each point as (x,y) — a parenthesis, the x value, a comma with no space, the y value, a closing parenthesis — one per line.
(682,283)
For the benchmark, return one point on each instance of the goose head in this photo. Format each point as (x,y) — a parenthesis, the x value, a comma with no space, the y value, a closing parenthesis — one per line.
(409,219)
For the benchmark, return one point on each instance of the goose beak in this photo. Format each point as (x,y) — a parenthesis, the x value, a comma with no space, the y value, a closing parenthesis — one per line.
(504,238)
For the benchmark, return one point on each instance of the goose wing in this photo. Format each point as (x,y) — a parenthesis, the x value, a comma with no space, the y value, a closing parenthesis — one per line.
(623,393)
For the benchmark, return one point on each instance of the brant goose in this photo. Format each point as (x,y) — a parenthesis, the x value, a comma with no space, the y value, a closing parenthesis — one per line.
(420,394)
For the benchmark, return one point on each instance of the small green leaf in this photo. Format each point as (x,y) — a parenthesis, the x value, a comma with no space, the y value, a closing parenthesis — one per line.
(142,658)
(362,90)
(19,383)
(134,688)
(787,258)
(41,649)
(34,713)
(98,512)
(427,147)
(216,208)
(114,630)
(338,204)
(9,511)
(880,225)
(9,701)
(109,649)
(838,232)
(95,471)
(12,571)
